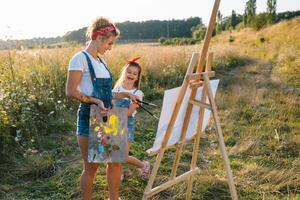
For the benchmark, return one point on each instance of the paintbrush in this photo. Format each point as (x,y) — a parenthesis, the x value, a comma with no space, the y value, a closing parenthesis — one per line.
(149,112)
(147,103)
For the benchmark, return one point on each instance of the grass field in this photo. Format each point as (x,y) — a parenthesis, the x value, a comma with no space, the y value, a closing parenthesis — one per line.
(258,102)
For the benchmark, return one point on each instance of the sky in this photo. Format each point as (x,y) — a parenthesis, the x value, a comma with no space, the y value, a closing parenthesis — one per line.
(24,19)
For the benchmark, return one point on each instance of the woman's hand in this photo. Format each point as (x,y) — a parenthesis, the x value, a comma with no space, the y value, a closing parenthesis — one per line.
(100,105)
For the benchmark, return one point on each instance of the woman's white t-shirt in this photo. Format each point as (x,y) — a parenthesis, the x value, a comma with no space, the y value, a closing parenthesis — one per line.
(139,93)
(79,63)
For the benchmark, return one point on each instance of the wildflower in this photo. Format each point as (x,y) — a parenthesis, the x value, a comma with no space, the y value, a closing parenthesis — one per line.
(19,132)
(34,151)
(40,103)
(51,113)
(59,101)
(32,97)
(17,139)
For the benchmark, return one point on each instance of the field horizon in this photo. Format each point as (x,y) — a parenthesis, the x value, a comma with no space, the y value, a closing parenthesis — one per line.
(258,102)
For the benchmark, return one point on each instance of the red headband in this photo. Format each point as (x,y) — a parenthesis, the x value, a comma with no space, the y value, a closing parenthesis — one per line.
(130,62)
(111,27)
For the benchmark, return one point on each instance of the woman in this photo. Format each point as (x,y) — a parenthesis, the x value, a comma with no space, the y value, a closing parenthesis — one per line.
(90,81)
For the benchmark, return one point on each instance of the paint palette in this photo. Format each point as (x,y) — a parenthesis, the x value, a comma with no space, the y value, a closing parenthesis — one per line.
(108,136)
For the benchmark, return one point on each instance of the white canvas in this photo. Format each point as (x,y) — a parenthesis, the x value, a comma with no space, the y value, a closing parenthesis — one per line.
(170,97)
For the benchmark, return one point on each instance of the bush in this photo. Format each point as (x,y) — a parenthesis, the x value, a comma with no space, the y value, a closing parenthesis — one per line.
(178,41)
(260,21)
(162,40)
(240,26)
(198,33)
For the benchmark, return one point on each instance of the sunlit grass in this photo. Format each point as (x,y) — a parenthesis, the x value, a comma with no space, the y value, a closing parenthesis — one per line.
(258,102)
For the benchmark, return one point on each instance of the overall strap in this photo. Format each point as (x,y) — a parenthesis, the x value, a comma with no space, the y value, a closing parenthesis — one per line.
(91,68)
(105,66)
(135,91)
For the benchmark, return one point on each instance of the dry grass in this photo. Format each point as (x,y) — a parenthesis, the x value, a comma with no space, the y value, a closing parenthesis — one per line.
(258,102)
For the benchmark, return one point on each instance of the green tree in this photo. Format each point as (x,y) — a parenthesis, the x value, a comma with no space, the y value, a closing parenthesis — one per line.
(234,20)
(245,18)
(271,10)
(78,35)
(287,15)
(260,21)
(219,23)
(199,32)
(250,12)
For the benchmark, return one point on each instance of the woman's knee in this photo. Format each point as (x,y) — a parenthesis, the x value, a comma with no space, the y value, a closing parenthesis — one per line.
(114,166)
(90,169)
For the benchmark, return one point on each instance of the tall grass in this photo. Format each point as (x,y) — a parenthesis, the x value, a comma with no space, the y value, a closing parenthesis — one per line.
(258,102)
(278,44)
(33,98)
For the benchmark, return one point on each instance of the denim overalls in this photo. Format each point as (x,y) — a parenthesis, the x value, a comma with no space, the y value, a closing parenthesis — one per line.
(125,103)
(102,89)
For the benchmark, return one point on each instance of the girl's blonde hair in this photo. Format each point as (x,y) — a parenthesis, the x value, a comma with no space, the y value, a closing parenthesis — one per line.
(99,23)
(123,73)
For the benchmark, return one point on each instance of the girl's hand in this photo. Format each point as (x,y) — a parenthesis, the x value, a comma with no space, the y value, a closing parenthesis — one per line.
(133,98)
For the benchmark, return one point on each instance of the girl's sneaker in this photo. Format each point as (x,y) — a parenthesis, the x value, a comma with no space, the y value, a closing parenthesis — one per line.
(145,171)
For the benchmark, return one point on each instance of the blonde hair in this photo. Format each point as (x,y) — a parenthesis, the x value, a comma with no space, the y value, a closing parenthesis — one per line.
(122,76)
(99,23)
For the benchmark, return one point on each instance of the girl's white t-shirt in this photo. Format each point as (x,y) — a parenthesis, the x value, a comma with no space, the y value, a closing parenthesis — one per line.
(79,63)
(139,93)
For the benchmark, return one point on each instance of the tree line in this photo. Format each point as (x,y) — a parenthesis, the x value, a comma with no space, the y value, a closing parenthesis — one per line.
(185,31)
(250,18)
(147,30)
(130,32)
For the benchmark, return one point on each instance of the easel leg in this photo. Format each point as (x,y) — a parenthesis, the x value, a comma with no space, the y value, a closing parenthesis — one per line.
(179,147)
(221,139)
(196,145)
(186,118)
(170,126)
(153,173)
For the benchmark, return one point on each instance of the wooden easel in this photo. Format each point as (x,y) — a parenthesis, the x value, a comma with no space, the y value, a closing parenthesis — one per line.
(194,80)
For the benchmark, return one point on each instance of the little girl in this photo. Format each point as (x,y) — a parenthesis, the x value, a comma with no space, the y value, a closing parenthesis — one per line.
(129,82)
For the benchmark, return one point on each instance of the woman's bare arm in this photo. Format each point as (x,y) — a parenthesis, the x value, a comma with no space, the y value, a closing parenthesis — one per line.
(73,81)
